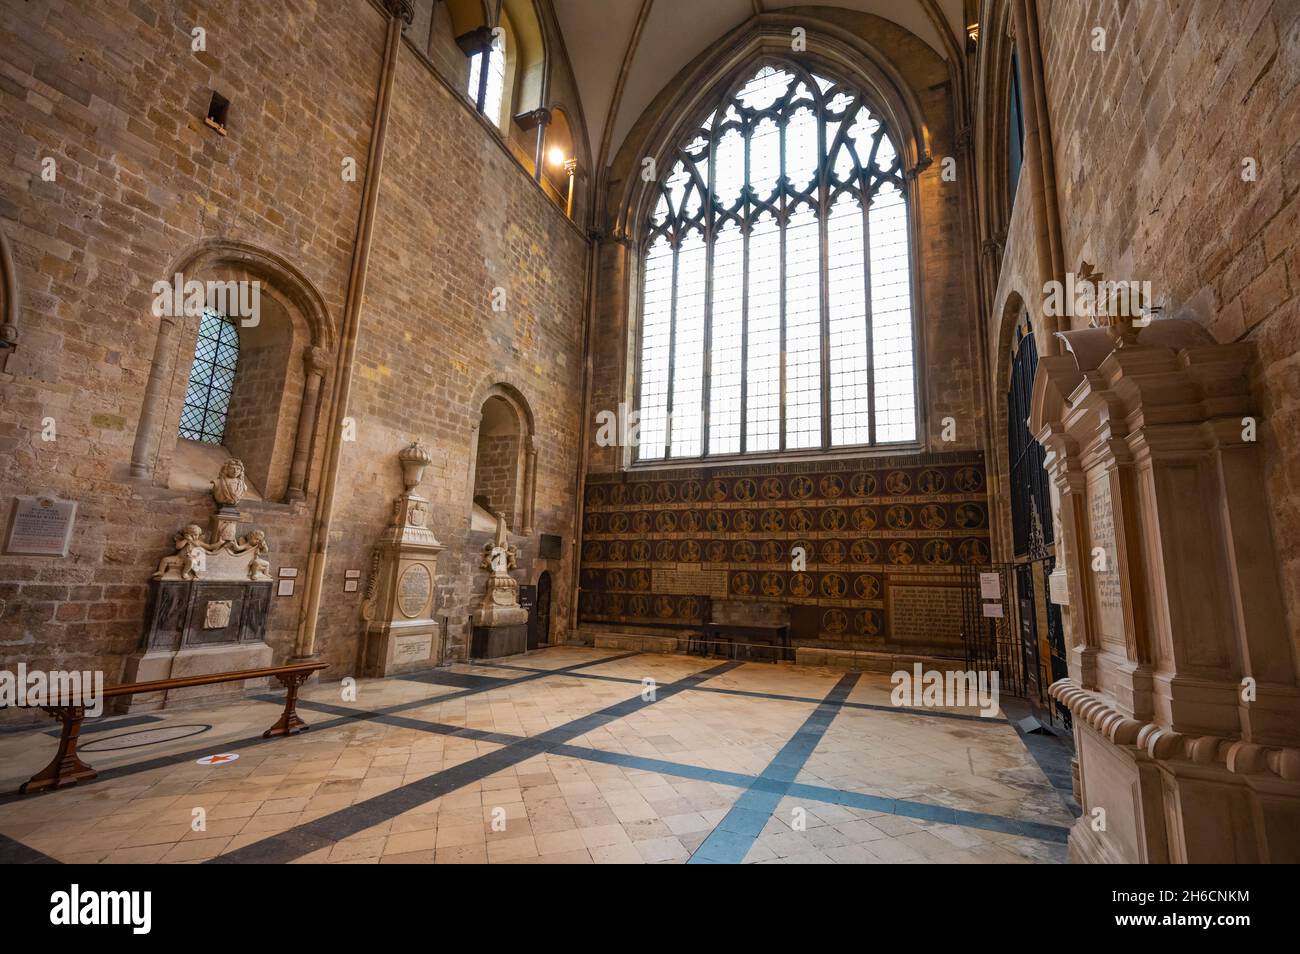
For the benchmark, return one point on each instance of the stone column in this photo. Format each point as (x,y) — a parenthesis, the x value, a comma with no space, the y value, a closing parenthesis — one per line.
(145,449)
(530,483)
(1182,680)
(315,361)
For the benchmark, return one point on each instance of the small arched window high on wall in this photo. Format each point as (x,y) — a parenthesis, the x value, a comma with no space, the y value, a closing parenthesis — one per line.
(212,380)
(776,304)
(487,75)
(1015,132)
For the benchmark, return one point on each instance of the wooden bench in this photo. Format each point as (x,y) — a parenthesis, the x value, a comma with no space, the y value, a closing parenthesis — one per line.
(68,769)
(744,622)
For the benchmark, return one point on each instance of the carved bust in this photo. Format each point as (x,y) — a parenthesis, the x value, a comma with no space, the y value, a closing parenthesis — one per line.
(229,487)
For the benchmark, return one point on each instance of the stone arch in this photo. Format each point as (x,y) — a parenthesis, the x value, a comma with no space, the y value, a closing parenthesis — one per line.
(293,349)
(999,469)
(502,455)
(991,128)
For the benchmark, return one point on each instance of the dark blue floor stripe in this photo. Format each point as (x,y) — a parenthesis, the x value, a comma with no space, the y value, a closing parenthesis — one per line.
(325,831)
(235,745)
(16,853)
(936,813)
(754,694)
(731,840)
(833,796)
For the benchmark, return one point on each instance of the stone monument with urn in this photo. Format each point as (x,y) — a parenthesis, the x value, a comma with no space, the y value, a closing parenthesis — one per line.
(401,634)
(208,603)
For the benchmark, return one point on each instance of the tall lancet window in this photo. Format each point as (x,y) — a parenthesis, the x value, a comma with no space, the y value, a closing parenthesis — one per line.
(776,305)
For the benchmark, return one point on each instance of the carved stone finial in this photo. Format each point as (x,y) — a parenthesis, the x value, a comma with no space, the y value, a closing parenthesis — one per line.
(414,457)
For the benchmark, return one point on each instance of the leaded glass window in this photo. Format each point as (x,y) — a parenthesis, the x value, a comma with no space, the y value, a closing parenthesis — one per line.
(776,306)
(488,90)
(212,379)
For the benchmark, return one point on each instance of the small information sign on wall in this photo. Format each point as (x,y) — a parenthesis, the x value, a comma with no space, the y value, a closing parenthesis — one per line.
(41,526)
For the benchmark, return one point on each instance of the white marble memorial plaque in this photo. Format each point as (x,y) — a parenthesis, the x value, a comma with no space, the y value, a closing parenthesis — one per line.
(411,648)
(41,526)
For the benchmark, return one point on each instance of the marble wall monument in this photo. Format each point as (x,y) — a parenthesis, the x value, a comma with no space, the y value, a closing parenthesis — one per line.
(500,623)
(208,603)
(1182,681)
(401,634)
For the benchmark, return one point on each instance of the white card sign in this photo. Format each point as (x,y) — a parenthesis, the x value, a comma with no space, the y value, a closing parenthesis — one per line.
(992,610)
(41,526)
(990,586)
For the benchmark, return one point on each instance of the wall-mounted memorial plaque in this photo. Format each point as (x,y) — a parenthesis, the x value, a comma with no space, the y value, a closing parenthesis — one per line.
(413,590)
(41,526)
(1104,578)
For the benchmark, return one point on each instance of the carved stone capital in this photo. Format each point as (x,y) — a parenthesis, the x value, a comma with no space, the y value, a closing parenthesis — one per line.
(404,9)
(316,360)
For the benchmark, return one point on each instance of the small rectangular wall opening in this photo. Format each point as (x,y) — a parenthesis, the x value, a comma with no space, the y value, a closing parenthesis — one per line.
(217,111)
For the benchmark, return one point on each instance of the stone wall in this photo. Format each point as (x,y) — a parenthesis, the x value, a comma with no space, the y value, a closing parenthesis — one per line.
(1152,137)
(113,92)
(495,473)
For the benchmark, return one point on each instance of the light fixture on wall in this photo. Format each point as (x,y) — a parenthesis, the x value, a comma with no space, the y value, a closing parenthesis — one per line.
(556,157)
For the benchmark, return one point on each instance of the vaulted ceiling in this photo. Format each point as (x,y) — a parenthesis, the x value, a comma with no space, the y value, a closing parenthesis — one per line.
(644,43)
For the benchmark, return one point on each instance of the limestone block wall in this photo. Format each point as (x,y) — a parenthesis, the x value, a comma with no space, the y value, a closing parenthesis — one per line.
(113,92)
(496,471)
(1152,138)
(457,219)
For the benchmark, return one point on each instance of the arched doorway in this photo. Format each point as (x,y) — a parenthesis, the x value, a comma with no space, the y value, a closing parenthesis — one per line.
(539,632)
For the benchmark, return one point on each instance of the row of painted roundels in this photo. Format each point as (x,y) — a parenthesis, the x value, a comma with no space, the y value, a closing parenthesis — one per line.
(929,481)
(865,622)
(835,586)
(898,552)
(932,516)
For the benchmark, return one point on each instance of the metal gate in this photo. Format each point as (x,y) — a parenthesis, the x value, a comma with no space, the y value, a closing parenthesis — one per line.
(1003,631)
(991,642)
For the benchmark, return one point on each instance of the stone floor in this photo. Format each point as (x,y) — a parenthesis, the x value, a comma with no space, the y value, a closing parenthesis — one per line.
(563,755)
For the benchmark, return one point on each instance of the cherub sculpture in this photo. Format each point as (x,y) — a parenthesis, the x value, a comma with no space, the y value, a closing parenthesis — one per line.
(189,558)
(255,542)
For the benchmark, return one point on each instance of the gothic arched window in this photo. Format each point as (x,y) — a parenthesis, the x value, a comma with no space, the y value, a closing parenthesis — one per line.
(776,306)
(212,380)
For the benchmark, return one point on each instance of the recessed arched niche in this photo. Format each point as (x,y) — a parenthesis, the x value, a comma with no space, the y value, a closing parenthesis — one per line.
(505,455)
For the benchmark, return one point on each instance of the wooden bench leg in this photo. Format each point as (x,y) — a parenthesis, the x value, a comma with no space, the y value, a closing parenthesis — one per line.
(289,723)
(66,768)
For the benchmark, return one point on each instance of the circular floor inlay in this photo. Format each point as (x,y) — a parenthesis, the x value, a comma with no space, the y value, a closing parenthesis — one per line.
(133,740)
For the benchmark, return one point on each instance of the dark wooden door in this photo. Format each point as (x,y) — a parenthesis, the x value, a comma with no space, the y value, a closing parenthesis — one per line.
(542,613)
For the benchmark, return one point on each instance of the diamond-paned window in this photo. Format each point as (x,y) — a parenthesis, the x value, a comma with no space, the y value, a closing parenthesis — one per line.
(212,380)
